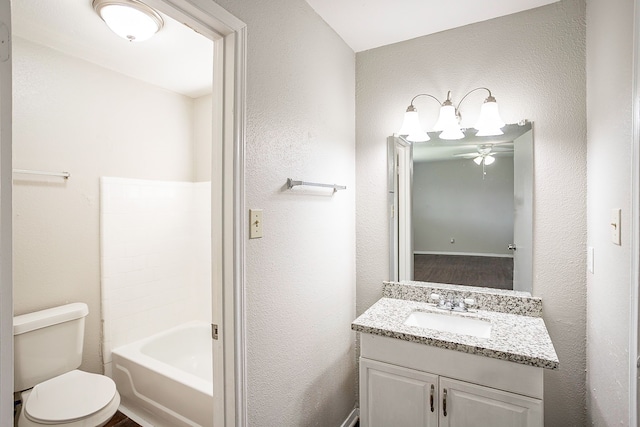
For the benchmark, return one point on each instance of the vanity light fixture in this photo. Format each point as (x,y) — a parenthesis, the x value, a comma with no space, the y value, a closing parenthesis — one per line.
(448,124)
(130,19)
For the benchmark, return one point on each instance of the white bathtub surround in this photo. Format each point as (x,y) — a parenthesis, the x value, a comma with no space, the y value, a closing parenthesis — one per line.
(166,380)
(155,256)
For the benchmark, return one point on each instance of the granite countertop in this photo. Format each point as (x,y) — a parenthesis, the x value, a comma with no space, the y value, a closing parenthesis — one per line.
(516,338)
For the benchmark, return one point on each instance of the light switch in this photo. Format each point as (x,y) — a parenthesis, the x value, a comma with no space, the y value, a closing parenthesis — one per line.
(255,223)
(615,226)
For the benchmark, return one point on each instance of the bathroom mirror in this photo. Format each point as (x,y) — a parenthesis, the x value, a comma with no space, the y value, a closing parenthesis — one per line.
(461,212)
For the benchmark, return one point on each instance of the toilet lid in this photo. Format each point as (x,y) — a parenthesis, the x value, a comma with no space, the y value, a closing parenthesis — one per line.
(69,397)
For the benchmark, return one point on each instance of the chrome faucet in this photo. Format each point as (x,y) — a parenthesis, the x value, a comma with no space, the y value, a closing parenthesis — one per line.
(452,304)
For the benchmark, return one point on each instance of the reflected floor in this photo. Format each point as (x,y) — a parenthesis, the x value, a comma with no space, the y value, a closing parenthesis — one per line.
(493,272)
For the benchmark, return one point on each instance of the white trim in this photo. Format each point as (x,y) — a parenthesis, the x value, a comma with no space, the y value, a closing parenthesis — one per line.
(240,231)
(462,254)
(635,224)
(352,419)
(6,276)
(400,181)
(404,165)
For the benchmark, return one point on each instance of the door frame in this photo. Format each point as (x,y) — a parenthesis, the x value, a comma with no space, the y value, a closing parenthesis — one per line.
(400,183)
(228,233)
(634,329)
(6,212)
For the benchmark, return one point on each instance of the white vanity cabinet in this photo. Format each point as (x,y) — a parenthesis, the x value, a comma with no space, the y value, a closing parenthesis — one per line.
(396,396)
(471,405)
(410,384)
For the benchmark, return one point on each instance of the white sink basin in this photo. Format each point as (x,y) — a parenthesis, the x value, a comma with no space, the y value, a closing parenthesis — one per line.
(446,322)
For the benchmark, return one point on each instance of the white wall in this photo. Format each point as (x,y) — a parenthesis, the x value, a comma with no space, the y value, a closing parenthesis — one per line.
(534,63)
(609,101)
(451,200)
(300,277)
(155,241)
(75,116)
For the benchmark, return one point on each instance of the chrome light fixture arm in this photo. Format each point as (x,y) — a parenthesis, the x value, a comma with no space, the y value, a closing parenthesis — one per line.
(412,108)
(490,98)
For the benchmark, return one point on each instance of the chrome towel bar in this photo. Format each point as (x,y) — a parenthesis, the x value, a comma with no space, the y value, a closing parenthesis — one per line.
(64,175)
(293,183)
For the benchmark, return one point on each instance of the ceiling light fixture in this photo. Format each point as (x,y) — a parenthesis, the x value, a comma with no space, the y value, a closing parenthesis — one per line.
(130,19)
(448,124)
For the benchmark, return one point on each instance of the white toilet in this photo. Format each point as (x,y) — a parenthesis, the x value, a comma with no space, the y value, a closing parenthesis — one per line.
(47,353)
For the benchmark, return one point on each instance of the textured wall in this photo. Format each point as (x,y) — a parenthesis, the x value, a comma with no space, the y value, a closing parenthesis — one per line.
(73,115)
(534,63)
(451,200)
(609,101)
(300,277)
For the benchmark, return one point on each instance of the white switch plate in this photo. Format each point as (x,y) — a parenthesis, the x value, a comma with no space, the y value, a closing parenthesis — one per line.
(615,226)
(590,259)
(255,223)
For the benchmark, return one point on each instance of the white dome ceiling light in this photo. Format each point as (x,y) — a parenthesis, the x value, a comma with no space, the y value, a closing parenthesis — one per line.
(130,19)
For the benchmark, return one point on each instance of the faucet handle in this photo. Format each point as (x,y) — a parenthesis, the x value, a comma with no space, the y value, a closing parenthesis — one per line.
(469,302)
(434,298)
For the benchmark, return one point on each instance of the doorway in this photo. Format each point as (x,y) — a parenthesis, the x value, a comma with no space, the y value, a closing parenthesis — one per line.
(227,235)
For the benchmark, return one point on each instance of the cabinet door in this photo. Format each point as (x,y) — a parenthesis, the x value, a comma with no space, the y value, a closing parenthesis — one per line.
(392,396)
(469,405)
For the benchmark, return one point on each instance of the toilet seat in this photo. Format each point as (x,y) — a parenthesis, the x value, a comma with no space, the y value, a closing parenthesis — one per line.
(73,396)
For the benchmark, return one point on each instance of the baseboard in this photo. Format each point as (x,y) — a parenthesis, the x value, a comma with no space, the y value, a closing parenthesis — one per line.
(462,254)
(352,419)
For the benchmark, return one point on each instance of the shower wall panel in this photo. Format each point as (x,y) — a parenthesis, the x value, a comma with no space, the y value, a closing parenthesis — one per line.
(155,257)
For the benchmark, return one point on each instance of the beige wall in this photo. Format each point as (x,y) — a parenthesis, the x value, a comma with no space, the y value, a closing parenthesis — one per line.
(300,277)
(453,200)
(534,63)
(74,116)
(609,101)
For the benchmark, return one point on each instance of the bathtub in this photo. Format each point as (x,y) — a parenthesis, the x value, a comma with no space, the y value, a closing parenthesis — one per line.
(167,379)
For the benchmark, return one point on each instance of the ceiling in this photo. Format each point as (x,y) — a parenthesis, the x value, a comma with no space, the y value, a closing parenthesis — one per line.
(181,60)
(176,58)
(367,24)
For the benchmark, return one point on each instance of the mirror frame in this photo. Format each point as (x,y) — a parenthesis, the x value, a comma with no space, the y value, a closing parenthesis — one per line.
(399,180)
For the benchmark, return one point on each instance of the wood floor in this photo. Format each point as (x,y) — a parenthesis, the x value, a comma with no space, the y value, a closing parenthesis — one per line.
(494,272)
(121,420)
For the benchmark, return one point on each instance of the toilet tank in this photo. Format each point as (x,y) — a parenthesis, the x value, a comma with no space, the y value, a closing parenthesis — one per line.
(47,343)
